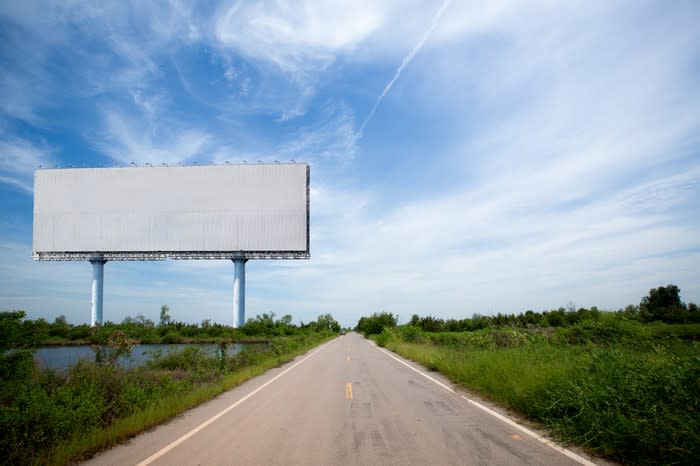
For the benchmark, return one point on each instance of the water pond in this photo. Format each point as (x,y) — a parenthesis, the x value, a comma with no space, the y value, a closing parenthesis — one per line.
(60,357)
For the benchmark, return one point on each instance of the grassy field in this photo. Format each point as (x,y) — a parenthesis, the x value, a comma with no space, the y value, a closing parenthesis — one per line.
(624,390)
(48,417)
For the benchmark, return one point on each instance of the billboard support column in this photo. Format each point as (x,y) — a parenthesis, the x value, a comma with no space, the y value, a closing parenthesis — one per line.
(239,291)
(98,275)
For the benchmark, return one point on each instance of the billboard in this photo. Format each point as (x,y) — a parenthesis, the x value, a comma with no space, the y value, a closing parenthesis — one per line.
(252,211)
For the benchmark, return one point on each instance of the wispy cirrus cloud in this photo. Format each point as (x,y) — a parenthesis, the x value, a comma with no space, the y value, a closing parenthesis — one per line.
(331,136)
(328,141)
(126,140)
(19,158)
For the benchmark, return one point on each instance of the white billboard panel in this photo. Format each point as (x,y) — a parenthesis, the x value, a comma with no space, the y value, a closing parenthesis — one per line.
(198,212)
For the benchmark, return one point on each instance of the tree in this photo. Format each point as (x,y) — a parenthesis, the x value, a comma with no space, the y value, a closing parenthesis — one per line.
(164,314)
(140,319)
(260,325)
(693,312)
(16,365)
(60,327)
(11,334)
(327,322)
(286,320)
(664,304)
(374,324)
(431,324)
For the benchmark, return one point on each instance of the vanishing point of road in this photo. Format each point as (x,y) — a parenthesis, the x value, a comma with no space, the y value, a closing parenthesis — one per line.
(347,402)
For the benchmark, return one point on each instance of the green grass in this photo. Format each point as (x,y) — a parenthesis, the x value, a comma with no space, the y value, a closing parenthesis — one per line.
(83,446)
(621,392)
(50,418)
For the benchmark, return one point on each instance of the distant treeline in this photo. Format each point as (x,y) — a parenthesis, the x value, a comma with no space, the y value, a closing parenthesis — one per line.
(30,333)
(663,304)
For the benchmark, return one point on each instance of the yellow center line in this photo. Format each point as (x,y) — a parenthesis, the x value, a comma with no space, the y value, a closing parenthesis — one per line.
(348,390)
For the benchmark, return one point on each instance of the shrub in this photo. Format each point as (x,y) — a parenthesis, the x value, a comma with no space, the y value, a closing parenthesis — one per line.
(411,334)
(385,337)
(172,336)
(629,407)
(374,324)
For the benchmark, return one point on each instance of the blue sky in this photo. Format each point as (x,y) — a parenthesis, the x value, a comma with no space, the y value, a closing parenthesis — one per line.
(466,156)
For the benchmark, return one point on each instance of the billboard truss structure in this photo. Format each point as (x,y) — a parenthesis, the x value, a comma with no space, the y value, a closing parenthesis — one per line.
(163,255)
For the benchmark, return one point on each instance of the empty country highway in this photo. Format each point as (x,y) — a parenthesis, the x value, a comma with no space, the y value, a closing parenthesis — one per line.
(344,403)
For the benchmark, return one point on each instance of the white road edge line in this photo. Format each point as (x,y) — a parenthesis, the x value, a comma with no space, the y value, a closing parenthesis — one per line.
(189,434)
(495,414)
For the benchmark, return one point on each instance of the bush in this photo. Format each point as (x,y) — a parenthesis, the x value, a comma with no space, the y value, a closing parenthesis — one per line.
(171,337)
(629,407)
(374,324)
(411,334)
(385,337)
(189,359)
(609,330)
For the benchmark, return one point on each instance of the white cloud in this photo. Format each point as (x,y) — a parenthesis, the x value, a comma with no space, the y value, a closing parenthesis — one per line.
(329,140)
(332,136)
(19,158)
(22,277)
(297,38)
(21,95)
(126,141)
(295,44)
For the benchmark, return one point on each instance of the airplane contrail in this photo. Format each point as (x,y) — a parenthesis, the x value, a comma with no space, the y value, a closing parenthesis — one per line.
(407,59)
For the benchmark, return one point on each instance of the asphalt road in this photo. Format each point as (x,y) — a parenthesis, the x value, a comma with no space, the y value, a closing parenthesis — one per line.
(345,403)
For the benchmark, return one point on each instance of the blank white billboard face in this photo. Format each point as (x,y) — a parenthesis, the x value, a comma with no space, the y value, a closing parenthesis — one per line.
(178,211)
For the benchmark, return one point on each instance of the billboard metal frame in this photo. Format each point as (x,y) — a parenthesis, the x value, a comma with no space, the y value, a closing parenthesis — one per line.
(163,255)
